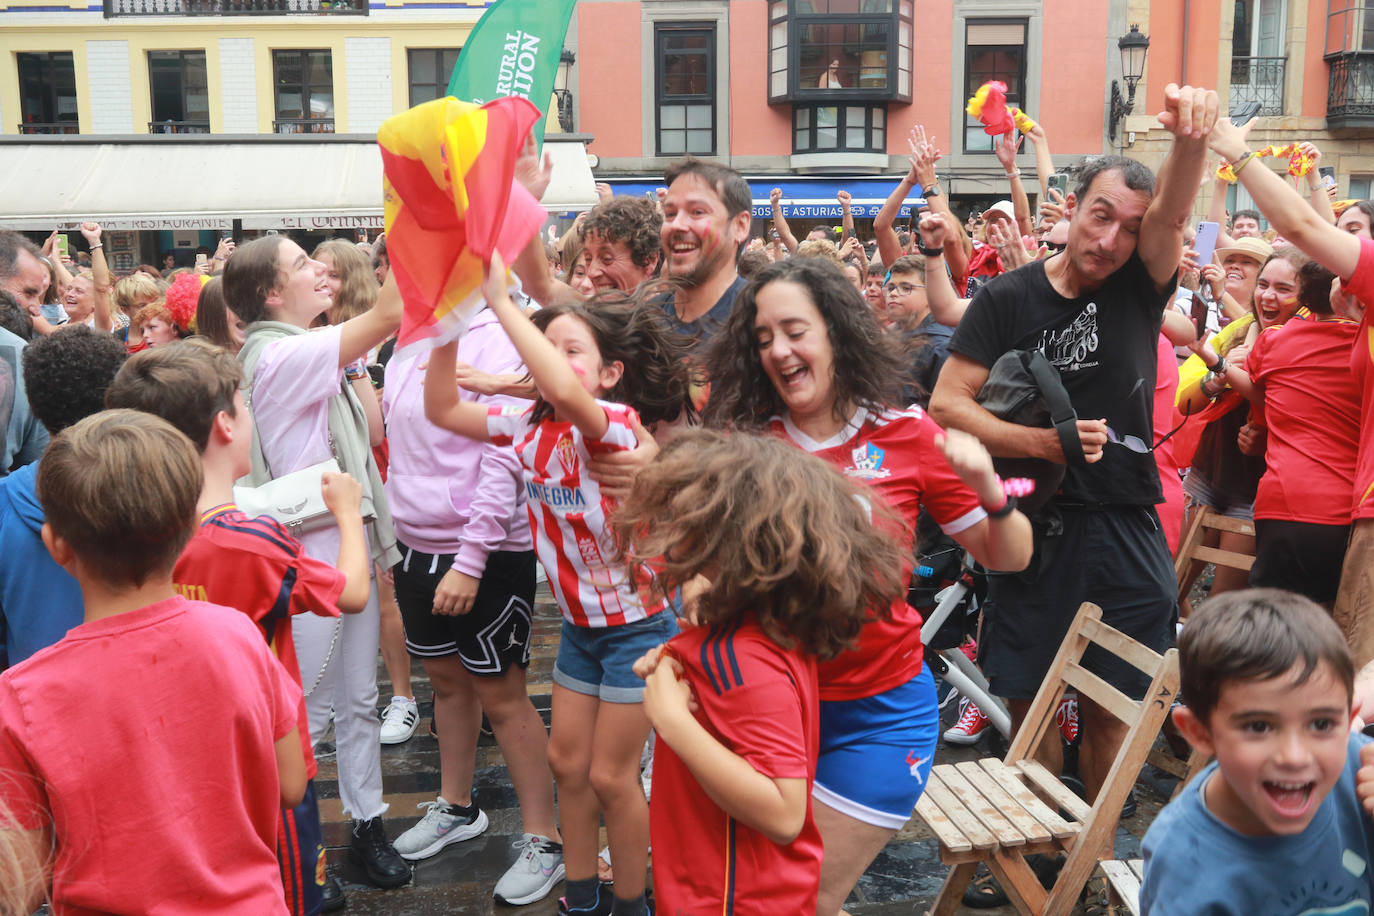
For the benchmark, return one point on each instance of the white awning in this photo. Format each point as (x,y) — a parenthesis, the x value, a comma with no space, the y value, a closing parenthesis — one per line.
(160,184)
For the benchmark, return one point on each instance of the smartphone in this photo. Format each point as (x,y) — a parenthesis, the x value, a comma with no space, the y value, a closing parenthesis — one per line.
(1205,244)
(1328,174)
(201,258)
(61,248)
(1059,182)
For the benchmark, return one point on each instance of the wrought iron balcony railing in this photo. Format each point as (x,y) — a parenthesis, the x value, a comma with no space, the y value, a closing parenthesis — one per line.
(1258,79)
(61,127)
(178,127)
(303,126)
(115,8)
(1350,90)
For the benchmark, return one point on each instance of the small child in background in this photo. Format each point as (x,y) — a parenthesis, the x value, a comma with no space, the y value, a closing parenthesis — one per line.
(599,366)
(253,564)
(1267,679)
(781,562)
(147,754)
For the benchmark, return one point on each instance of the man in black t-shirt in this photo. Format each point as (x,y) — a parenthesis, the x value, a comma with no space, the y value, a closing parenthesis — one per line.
(1094,310)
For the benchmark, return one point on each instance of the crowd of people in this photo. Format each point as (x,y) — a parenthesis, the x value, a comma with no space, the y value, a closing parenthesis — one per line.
(724,454)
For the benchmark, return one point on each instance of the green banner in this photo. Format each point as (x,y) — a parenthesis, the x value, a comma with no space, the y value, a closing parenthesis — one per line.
(513,50)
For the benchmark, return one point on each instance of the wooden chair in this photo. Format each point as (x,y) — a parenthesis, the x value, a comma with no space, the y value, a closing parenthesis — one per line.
(1192,550)
(990,810)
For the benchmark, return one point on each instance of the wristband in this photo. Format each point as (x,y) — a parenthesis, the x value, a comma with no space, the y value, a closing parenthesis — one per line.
(1241,163)
(1220,366)
(1007,508)
(932,191)
(930,252)
(97,245)
(1014,173)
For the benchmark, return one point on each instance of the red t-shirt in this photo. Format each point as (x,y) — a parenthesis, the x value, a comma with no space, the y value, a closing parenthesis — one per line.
(759,700)
(1361,284)
(1312,410)
(256,566)
(893,452)
(145,741)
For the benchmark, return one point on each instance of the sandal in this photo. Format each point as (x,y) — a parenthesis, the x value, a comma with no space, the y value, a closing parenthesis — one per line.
(985,893)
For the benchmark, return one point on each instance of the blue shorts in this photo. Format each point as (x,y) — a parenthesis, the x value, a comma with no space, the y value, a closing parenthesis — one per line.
(300,855)
(876,752)
(599,661)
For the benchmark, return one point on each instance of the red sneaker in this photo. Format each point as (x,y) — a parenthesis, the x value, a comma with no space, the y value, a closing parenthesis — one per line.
(971,725)
(1067,717)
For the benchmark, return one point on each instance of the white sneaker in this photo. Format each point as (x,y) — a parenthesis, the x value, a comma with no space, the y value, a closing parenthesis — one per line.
(441,825)
(534,874)
(399,720)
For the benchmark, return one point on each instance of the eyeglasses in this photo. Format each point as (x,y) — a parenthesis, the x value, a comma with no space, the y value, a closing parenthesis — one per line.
(905,289)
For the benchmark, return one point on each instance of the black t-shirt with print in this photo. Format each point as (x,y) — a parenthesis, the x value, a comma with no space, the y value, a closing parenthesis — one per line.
(707,326)
(1104,346)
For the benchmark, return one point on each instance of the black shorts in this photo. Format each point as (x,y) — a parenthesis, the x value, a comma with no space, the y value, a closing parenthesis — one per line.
(1117,558)
(1301,557)
(491,637)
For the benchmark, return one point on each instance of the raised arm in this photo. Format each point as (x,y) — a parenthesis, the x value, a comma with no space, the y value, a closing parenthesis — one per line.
(1189,114)
(552,374)
(100,272)
(944,302)
(1005,150)
(360,334)
(1316,186)
(1287,212)
(443,407)
(846,217)
(780,222)
(343,497)
(1044,163)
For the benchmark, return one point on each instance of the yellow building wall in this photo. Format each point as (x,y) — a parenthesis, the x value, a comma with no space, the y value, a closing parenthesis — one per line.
(203,34)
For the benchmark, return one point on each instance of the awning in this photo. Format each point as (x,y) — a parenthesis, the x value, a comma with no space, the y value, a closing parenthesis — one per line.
(802,197)
(156,183)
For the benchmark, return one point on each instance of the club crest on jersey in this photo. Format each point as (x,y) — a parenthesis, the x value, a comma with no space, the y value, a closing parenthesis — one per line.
(567,456)
(915,762)
(868,462)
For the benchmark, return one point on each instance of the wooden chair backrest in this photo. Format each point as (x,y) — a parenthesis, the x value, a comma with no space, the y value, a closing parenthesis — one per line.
(1191,548)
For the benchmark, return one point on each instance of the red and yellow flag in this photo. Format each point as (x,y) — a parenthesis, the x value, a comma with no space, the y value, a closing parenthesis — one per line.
(451,200)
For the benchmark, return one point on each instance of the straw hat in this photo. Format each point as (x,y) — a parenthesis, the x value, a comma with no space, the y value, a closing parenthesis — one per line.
(1257,249)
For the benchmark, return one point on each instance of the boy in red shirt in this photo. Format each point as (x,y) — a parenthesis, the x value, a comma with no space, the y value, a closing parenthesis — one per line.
(147,754)
(782,564)
(252,564)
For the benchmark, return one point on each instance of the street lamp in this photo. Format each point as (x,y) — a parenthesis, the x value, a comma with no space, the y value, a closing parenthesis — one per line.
(562,92)
(1133,48)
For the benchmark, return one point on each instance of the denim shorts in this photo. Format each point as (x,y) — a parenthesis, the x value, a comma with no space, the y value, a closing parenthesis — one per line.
(1200,493)
(599,661)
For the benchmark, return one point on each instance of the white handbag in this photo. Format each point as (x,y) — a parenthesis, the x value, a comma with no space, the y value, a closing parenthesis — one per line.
(295,500)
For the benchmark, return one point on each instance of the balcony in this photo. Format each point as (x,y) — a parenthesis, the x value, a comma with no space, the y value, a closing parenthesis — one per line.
(303,126)
(1350,91)
(178,127)
(118,8)
(1258,79)
(61,127)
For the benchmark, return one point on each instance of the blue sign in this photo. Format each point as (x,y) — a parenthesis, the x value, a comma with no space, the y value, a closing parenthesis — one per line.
(803,198)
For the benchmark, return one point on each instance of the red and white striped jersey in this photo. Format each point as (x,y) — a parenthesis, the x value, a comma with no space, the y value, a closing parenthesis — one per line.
(568,515)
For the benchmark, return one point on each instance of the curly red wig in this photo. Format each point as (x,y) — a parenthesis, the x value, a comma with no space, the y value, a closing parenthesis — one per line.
(181,299)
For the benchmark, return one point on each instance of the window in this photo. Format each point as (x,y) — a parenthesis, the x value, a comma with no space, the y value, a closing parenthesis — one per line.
(1257,60)
(685,91)
(1360,187)
(181,99)
(47,93)
(860,48)
(839,128)
(430,72)
(304,83)
(993,50)
(1349,26)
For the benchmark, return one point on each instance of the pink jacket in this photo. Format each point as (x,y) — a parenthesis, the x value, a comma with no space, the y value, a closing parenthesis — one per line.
(450,494)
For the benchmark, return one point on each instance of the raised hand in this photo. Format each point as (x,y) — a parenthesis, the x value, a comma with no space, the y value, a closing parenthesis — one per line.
(1190,112)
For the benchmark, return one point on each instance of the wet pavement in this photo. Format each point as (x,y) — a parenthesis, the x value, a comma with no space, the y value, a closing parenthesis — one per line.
(904,879)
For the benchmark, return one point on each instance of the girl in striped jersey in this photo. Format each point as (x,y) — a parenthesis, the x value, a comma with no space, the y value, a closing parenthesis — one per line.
(620,348)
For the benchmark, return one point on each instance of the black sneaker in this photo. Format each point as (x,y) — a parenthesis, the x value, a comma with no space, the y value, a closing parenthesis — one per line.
(370,849)
(332,895)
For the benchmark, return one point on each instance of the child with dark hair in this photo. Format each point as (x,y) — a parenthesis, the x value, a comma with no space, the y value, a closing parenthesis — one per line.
(252,564)
(1267,679)
(66,373)
(784,561)
(189,824)
(619,350)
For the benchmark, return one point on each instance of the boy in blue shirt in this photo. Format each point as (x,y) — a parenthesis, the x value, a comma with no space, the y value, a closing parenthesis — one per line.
(1274,825)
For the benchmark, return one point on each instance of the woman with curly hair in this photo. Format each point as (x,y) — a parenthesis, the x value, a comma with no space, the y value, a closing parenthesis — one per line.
(803,358)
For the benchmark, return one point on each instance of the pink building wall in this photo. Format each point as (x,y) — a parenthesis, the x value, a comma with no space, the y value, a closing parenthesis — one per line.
(756,129)
(610,81)
(1071,72)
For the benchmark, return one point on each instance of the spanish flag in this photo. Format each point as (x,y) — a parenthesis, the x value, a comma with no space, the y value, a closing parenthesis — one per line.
(451,200)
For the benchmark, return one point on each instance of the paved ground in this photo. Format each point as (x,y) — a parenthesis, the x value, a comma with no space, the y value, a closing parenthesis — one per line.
(903,880)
